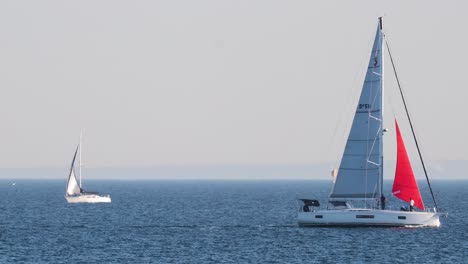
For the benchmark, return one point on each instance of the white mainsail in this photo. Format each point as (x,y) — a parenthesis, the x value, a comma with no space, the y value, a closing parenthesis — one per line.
(73,187)
(360,171)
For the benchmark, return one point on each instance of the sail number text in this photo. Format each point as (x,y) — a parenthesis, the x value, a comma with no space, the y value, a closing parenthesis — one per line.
(364,106)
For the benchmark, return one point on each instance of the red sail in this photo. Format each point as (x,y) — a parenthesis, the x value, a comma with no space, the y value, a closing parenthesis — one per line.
(404,185)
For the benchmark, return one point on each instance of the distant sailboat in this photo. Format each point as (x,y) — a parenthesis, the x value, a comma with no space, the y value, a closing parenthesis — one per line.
(357,196)
(75,192)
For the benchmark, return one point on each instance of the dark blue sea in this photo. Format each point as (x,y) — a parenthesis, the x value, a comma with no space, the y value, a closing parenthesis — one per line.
(210,222)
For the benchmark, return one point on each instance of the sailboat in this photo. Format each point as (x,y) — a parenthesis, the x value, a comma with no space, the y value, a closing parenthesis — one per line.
(357,196)
(75,192)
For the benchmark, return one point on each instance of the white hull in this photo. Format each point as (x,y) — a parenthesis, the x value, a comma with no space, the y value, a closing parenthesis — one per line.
(88,198)
(368,217)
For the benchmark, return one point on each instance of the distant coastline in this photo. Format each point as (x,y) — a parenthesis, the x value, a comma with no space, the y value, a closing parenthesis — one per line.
(438,170)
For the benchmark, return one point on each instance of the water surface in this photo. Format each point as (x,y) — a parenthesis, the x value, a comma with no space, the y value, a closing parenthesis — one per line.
(210,222)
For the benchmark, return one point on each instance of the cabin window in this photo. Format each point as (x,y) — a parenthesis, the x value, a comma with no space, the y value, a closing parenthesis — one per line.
(318,216)
(364,216)
(402,217)
(338,203)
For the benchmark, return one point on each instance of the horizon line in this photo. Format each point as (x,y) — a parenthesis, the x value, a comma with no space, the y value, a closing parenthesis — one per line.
(202,165)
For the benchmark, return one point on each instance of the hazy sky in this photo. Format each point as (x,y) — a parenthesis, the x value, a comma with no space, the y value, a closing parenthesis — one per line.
(219,82)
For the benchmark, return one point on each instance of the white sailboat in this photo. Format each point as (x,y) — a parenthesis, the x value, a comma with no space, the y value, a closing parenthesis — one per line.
(357,197)
(75,193)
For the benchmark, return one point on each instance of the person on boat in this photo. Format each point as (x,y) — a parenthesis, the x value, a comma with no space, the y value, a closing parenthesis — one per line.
(382,201)
(306,208)
(411,204)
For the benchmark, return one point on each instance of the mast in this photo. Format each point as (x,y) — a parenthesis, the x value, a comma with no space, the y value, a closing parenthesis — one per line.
(382,103)
(411,124)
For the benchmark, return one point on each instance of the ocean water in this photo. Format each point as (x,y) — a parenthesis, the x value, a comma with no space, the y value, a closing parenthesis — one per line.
(210,222)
